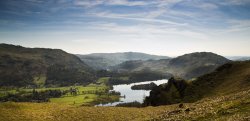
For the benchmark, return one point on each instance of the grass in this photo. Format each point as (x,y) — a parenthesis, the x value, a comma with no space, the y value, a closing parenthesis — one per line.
(86,99)
(83,99)
(221,108)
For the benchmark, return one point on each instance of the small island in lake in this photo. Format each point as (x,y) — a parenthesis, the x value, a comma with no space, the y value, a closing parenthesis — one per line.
(149,86)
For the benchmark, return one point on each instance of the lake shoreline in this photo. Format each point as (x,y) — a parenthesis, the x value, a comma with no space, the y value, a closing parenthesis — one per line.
(128,95)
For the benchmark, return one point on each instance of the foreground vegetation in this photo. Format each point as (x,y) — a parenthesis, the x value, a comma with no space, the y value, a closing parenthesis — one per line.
(229,107)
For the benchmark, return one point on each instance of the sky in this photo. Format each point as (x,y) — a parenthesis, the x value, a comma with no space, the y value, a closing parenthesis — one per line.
(161,27)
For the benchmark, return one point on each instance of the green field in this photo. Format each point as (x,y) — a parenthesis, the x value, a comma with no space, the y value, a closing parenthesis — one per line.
(75,100)
(86,95)
(87,99)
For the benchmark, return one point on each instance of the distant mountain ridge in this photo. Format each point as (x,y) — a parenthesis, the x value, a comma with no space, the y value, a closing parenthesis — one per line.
(20,66)
(186,66)
(238,58)
(106,60)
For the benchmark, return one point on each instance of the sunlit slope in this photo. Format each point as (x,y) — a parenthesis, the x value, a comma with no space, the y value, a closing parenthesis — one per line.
(229,78)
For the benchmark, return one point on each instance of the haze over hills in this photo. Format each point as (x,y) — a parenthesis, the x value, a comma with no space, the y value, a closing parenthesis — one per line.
(106,60)
(20,66)
(186,66)
(238,58)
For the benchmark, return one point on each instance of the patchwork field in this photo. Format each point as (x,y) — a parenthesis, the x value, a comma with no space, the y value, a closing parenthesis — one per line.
(86,95)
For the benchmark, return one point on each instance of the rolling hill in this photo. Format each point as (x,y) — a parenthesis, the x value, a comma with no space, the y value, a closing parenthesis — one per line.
(186,66)
(20,66)
(106,60)
(195,64)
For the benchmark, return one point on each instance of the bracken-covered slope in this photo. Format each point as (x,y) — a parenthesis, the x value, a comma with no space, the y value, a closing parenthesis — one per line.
(20,66)
(186,66)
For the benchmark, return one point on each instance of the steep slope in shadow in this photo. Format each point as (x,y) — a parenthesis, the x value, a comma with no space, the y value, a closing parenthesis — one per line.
(20,66)
(228,78)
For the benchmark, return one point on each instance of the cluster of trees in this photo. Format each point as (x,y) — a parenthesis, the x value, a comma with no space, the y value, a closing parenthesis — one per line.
(134,77)
(34,96)
(64,76)
(130,104)
(149,86)
(169,93)
(15,71)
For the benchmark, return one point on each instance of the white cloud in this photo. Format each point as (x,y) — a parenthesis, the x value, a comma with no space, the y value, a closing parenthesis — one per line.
(147,31)
(92,3)
(201,5)
(207,6)
(88,3)
(234,2)
(142,17)
(126,2)
(238,26)
(165,3)
(156,13)
(157,3)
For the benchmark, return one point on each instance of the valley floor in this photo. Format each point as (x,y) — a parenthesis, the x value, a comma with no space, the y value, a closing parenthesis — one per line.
(235,107)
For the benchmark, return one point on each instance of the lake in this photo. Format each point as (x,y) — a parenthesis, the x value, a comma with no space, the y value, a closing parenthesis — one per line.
(132,95)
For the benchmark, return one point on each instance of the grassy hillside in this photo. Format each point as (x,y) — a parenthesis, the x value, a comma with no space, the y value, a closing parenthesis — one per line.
(21,66)
(229,107)
(228,78)
(106,60)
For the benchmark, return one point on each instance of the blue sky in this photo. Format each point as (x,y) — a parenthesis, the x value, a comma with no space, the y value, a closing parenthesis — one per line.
(162,27)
